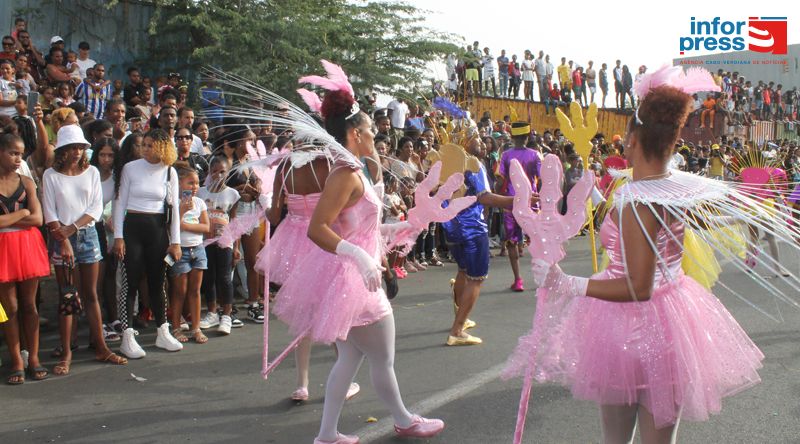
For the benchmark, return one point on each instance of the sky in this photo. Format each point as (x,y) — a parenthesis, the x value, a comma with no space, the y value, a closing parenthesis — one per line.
(637,33)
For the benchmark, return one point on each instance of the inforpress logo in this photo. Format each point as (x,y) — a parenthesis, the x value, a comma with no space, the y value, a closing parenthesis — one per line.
(760,34)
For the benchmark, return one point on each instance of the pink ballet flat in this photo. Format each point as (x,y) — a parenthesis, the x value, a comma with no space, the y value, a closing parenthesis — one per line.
(301,394)
(518,285)
(420,428)
(340,439)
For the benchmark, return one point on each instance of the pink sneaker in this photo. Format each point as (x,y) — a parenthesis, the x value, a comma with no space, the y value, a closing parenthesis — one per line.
(340,439)
(421,428)
(518,285)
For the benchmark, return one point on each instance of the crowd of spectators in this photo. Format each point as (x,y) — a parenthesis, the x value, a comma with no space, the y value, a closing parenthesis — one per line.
(476,70)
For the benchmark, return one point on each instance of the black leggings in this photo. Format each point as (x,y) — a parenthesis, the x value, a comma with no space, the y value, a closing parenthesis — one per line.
(217,279)
(146,242)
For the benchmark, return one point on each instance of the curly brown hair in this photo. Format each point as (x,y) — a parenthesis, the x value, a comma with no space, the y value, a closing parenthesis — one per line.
(662,113)
(163,146)
(60,154)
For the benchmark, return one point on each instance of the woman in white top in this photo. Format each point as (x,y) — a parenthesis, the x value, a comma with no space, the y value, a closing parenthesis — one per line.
(527,75)
(105,152)
(73,202)
(142,236)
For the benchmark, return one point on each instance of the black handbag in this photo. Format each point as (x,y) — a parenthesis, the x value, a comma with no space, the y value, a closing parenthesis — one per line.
(69,302)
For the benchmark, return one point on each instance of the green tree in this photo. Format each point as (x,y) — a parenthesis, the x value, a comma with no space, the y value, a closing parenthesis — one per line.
(383,46)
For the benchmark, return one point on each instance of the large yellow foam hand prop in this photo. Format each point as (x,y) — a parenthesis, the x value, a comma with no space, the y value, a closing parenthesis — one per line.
(454,160)
(579,131)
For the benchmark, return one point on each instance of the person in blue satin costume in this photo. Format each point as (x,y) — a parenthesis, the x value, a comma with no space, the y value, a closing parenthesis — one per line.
(468,241)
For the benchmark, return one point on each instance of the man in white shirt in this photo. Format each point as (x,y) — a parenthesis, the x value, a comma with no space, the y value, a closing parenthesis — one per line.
(398,112)
(84,62)
(540,68)
(488,71)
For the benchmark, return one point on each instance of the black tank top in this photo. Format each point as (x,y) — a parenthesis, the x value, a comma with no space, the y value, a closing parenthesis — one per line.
(17,201)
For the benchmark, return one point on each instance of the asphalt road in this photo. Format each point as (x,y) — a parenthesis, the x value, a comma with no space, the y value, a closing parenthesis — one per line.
(213,393)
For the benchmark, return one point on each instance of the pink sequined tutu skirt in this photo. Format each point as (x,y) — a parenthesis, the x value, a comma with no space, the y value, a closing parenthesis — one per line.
(325,296)
(287,246)
(677,354)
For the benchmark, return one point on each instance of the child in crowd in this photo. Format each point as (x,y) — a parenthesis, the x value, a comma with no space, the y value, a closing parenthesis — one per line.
(187,273)
(47,99)
(64,95)
(221,202)
(73,69)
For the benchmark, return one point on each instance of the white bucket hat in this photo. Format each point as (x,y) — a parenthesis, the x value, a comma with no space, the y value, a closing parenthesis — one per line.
(70,135)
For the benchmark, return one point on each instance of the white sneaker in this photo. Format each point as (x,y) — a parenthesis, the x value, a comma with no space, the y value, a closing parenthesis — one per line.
(130,348)
(209,320)
(224,325)
(165,340)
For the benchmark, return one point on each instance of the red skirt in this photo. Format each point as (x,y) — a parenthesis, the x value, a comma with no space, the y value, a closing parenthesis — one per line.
(23,255)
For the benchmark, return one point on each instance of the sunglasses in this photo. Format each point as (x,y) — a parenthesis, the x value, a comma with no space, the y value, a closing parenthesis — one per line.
(8,43)
(183,137)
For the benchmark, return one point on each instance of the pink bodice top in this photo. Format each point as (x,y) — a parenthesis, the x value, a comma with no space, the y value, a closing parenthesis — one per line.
(670,252)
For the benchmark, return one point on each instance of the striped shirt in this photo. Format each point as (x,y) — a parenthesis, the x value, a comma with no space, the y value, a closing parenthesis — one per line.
(93,101)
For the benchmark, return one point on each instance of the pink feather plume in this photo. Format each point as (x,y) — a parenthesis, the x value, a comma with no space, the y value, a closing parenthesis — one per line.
(335,80)
(693,80)
(311,98)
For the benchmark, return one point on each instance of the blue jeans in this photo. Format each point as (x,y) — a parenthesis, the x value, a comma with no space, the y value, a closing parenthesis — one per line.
(85,247)
(503,83)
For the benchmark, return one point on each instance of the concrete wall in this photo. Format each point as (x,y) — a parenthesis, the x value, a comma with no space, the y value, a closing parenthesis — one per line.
(788,75)
(118,36)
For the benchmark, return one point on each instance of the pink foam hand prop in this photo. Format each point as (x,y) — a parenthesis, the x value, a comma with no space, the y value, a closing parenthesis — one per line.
(548,229)
(335,80)
(428,208)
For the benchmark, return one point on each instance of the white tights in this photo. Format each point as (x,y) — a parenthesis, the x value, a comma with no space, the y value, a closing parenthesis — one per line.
(619,425)
(376,343)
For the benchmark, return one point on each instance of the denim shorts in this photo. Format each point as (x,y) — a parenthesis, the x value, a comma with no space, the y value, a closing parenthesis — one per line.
(192,258)
(85,247)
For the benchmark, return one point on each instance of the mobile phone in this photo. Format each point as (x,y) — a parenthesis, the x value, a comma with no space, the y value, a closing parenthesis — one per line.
(186,194)
(169,260)
(33,100)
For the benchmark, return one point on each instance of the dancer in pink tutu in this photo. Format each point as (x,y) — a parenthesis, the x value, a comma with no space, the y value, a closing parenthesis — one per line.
(645,342)
(344,301)
(298,185)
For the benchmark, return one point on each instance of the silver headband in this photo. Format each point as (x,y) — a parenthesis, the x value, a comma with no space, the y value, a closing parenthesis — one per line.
(636,115)
(353,111)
